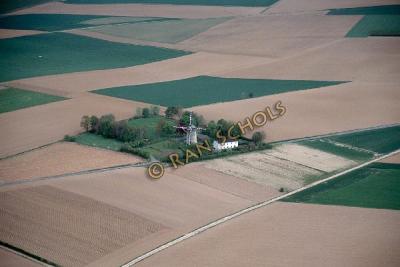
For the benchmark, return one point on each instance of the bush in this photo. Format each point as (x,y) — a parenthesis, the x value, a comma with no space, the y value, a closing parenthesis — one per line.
(106,126)
(138,113)
(127,148)
(94,124)
(85,123)
(145,113)
(258,137)
(155,110)
(69,138)
(171,112)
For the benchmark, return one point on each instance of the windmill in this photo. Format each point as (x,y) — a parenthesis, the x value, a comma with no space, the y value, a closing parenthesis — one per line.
(191,131)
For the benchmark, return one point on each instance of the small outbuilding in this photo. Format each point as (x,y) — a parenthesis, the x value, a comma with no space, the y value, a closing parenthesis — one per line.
(229,144)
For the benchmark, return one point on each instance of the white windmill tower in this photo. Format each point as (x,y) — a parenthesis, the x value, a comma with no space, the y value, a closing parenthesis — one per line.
(191,131)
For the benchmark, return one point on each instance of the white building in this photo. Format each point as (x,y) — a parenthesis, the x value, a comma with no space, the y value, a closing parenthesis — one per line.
(227,145)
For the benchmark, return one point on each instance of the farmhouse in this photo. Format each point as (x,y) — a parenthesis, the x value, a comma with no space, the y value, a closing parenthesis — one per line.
(229,144)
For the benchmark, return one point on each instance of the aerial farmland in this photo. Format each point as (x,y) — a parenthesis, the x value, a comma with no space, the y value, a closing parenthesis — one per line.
(199,133)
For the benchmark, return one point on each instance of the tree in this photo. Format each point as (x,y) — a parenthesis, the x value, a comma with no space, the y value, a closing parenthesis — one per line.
(155,110)
(106,124)
(258,137)
(160,126)
(85,123)
(128,133)
(94,124)
(119,128)
(200,120)
(211,129)
(138,113)
(171,112)
(146,112)
(167,129)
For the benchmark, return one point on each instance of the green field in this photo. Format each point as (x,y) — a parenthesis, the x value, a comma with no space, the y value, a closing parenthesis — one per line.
(359,146)
(149,124)
(163,31)
(369,10)
(95,140)
(205,90)
(59,22)
(377,20)
(383,140)
(374,186)
(12,5)
(55,53)
(13,99)
(325,144)
(376,25)
(249,3)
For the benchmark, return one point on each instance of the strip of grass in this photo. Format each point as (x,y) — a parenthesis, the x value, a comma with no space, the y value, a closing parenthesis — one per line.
(248,3)
(375,186)
(55,53)
(383,140)
(13,99)
(45,22)
(95,140)
(376,25)
(205,90)
(323,145)
(7,6)
(59,22)
(163,31)
(369,10)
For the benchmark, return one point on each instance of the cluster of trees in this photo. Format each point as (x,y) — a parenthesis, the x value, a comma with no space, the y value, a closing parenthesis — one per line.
(107,127)
(223,127)
(147,112)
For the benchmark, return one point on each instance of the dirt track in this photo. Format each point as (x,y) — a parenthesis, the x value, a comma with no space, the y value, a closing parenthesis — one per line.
(288,234)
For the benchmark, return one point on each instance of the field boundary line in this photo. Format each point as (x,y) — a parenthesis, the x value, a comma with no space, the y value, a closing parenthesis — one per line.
(68,174)
(247,210)
(25,256)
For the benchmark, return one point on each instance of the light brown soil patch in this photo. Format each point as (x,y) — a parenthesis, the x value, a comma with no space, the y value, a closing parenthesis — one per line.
(288,166)
(142,10)
(313,112)
(298,6)
(9,259)
(199,172)
(166,70)
(67,228)
(288,234)
(393,159)
(175,201)
(373,59)
(273,35)
(6,33)
(60,158)
(40,125)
